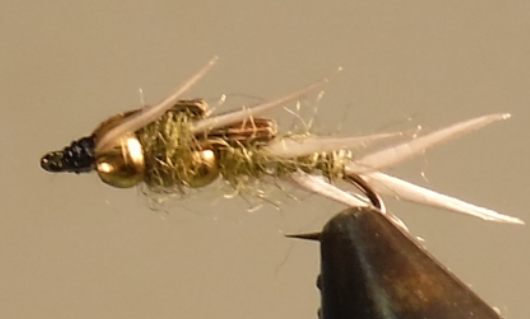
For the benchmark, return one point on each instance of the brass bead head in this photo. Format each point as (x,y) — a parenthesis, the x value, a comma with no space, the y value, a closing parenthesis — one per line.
(204,167)
(122,165)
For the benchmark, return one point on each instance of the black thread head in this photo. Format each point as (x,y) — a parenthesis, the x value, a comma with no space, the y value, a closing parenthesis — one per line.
(77,158)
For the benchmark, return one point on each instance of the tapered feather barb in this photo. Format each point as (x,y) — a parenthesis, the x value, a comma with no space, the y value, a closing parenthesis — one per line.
(248,113)
(318,185)
(306,145)
(392,186)
(394,155)
(150,114)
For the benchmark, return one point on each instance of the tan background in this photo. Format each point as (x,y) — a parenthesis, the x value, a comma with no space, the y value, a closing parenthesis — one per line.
(71,247)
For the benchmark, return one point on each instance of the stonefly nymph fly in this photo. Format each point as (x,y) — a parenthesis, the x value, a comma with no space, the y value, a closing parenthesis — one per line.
(178,144)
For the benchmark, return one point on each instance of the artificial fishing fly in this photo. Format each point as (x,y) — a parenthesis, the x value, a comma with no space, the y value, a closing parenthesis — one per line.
(177,144)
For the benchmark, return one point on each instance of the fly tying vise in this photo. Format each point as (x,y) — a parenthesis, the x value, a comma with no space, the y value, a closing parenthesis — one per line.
(177,144)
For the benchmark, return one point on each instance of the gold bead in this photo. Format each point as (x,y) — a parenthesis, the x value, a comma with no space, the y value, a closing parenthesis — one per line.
(122,165)
(204,166)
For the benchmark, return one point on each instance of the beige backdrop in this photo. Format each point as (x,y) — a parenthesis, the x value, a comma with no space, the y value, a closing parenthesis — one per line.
(71,247)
